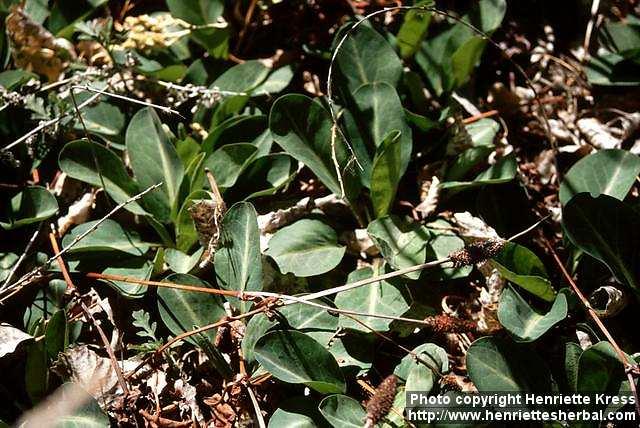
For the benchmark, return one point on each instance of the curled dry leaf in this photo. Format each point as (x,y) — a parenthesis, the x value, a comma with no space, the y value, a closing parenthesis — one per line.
(36,49)
(473,227)
(94,373)
(598,134)
(608,301)
(78,213)
(10,338)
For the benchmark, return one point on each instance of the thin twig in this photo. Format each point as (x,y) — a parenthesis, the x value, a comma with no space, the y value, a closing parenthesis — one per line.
(23,256)
(80,237)
(48,123)
(631,369)
(129,99)
(71,287)
(595,5)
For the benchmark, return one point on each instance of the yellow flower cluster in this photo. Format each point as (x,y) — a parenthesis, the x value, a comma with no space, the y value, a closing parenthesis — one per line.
(145,32)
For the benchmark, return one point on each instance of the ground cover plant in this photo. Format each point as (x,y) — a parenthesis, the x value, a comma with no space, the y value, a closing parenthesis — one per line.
(288,213)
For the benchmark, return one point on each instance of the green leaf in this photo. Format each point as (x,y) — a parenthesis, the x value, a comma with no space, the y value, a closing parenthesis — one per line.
(342,411)
(608,230)
(611,69)
(103,118)
(238,262)
(76,159)
(56,335)
(430,353)
(182,311)
(385,174)
(414,29)
(401,244)
(228,162)
(32,205)
(366,57)
(298,412)
(7,261)
(12,79)
(306,248)
(153,160)
(302,127)
(242,77)
(180,262)
(379,111)
(503,171)
(611,172)
(265,176)
(487,15)
(499,365)
(442,243)
(294,357)
(299,317)
(521,266)
(379,298)
(108,236)
(600,369)
(137,267)
(525,323)
(196,12)
(466,58)
(572,352)
(186,234)
(276,82)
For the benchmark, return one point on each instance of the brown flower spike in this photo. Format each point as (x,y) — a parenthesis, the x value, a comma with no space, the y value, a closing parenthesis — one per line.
(380,404)
(439,324)
(477,252)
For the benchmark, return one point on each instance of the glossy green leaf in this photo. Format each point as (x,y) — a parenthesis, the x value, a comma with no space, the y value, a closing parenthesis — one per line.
(379,298)
(600,369)
(432,356)
(442,243)
(342,411)
(366,57)
(300,317)
(243,77)
(294,357)
(466,58)
(298,412)
(76,159)
(402,244)
(521,266)
(238,262)
(276,82)
(265,176)
(610,172)
(306,248)
(228,162)
(108,236)
(180,262)
(414,29)
(608,230)
(525,323)
(501,172)
(153,160)
(302,127)
(32,205)
(499,365)
(183,311)
(186,234)
(378,111)
(196,12)
(385,174)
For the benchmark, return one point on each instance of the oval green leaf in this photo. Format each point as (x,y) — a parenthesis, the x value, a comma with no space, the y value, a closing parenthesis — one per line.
(306,248)
(294,357)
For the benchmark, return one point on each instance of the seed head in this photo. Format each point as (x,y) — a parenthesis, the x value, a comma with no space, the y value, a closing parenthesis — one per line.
(439,324)
(380,404)
(477,252)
